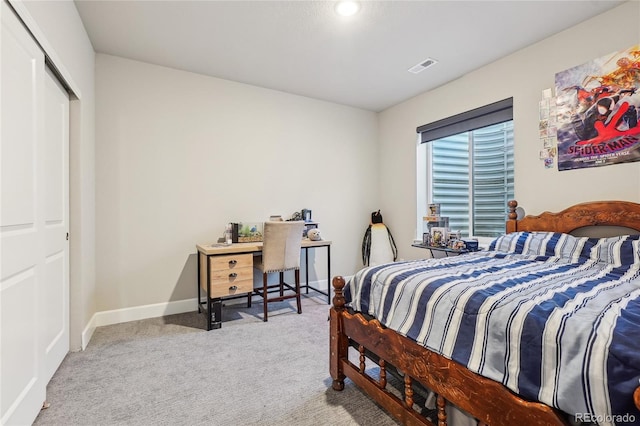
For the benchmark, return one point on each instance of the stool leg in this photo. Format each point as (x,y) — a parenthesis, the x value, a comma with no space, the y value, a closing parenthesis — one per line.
(297,272)
(264,296)
(281,284)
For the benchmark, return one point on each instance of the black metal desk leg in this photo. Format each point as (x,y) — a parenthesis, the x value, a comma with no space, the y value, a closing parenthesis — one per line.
(198,280)
(306,269)
(209,307)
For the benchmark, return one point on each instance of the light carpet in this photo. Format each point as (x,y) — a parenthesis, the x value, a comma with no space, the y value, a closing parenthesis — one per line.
(171,371)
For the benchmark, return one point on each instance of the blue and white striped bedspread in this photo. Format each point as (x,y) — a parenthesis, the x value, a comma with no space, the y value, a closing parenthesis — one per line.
(552,317)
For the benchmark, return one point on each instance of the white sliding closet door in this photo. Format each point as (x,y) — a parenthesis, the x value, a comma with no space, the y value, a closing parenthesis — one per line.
(54,293)
(33,225)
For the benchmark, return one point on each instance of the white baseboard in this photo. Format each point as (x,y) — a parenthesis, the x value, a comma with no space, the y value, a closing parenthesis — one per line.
(87,333)
(136,313)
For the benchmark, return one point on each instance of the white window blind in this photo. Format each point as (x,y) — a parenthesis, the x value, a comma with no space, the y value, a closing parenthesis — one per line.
(470,173)
(492,176)
(450,179)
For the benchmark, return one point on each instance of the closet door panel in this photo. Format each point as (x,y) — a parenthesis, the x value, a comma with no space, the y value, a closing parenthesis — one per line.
(55,291)
(22,389)
(19,131)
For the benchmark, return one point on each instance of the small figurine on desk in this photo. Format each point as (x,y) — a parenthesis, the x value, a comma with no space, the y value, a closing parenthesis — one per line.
(295,216)
(314,234)
(438,238)
(458,245)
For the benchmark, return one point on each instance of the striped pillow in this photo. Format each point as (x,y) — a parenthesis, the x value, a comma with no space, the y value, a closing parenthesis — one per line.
(553,244)
(617,251)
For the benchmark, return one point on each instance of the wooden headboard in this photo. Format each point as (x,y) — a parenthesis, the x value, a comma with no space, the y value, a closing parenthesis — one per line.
(596,213)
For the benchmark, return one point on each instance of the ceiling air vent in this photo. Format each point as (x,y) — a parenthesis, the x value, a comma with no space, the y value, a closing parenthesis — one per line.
(422,65)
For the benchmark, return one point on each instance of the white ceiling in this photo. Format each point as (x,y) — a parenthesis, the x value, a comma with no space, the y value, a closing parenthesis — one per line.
(303,47)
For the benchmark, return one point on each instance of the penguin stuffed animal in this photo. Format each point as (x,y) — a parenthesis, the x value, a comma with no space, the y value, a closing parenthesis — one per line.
(378,245)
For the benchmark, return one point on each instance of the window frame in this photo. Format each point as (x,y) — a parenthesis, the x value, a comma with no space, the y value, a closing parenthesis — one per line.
(491,114)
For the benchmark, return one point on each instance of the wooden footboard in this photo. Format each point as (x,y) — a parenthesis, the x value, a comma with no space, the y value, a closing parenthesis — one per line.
(486,400)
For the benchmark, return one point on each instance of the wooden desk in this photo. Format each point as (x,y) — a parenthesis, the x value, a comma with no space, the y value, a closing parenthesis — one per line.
(207,254)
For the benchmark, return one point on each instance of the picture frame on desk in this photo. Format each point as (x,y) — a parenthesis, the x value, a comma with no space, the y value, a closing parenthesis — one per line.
(426,239)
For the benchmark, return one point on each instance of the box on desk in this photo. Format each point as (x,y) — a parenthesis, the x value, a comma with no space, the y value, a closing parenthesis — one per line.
(470,244)
(439,221)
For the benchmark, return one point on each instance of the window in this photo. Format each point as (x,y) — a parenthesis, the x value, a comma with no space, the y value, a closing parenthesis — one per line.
(469,169)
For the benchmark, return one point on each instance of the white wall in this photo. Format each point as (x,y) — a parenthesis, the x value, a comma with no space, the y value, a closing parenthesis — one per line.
(59,30)
(522,75)
(178,155)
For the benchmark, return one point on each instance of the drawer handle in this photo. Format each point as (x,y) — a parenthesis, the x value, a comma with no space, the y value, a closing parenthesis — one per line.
(233,262)
(233,275)
(233,288)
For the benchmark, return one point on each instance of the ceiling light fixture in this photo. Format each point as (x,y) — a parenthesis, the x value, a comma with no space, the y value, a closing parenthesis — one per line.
(347,8)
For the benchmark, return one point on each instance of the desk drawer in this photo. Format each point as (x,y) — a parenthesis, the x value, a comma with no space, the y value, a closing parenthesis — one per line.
(231,275)
(222,289)
(231,261)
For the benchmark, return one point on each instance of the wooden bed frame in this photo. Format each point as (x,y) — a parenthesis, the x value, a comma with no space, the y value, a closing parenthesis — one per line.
(486,400)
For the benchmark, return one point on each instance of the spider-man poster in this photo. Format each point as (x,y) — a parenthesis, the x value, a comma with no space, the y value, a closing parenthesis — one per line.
(598,105)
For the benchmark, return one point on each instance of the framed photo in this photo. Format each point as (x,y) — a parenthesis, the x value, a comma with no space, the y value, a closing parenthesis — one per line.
(439,236)
(306,215)
(433,209)
(426,239)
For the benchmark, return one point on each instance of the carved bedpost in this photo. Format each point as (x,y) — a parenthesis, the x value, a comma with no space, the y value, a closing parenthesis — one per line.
(338,298)
(513,204)
(512,217)
(338,345)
